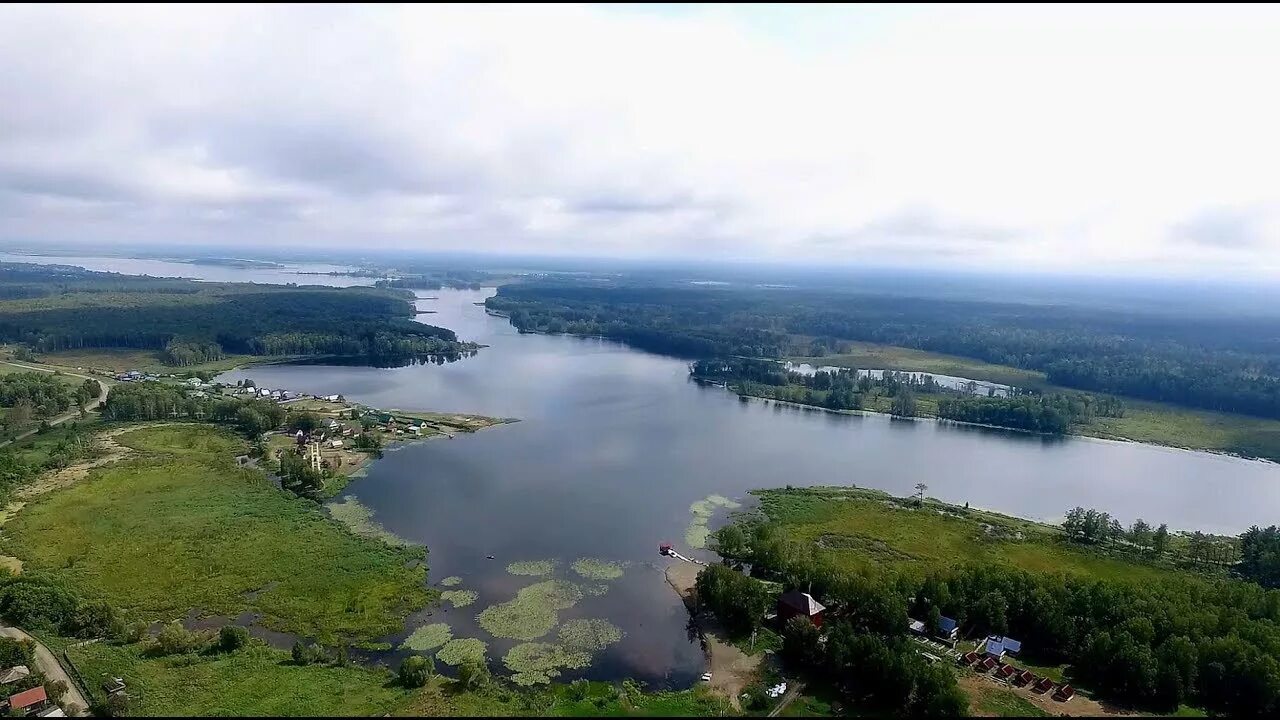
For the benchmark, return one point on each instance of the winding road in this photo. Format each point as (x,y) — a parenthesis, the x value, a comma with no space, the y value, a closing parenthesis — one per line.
(48,665)
(70,414)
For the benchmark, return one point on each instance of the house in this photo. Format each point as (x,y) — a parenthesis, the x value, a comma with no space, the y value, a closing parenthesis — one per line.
(335,444)
(331,398)
(969,658)
(14,674)
(29,701)
(799,604)
(993,649)
(1006,671)
(195,382)
(1044,685)
(1011,646)
(988,663)
(915,626)
(1026,677)
(54,711)
(1065,693)
(948,628)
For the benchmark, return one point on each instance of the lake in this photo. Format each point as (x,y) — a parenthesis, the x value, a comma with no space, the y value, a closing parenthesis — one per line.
(613,445)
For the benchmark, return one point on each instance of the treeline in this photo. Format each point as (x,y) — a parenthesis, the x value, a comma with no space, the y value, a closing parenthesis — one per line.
(1053,414)
(1224,364)
(1153,644)
(158,401)
(18,468)
(846,389)
(1260,556)
(34,396)
(196,322)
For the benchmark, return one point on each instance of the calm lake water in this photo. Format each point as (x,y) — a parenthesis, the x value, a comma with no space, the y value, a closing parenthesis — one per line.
(614,444)
(198,271)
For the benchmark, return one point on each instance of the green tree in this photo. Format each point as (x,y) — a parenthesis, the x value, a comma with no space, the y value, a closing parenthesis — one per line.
(904,404)
(1160,540)
(473,674)
(801,643)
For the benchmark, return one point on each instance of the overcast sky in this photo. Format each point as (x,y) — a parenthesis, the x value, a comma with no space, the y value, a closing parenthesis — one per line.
(1134,139)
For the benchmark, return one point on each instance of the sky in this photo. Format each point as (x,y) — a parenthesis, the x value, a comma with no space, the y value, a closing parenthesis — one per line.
(1108,139)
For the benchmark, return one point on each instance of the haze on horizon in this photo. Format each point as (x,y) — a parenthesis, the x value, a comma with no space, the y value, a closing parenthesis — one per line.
(1115,140)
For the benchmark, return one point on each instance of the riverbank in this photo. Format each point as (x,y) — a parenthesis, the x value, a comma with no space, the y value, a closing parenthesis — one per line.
(732,670)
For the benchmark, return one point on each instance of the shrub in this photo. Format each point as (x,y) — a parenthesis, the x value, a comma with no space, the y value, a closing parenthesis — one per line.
(416,670)
(232,638)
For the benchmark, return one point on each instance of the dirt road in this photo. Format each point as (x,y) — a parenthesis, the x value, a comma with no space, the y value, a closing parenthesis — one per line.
(47,663)
(70,414)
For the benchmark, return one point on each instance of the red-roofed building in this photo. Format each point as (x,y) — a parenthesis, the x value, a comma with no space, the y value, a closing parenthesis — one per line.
(1065,693)
(988,663)
(799,604)
(29,701)
(1026,677)
(1006,671)
(1045,685)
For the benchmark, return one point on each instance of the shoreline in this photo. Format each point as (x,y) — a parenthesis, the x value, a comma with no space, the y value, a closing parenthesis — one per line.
(962,423)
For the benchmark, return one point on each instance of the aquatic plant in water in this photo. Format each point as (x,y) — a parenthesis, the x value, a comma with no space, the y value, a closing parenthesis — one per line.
(428,637)
(533,611)
(451,581)
(459,598)
(589,635)
(359,519)
(702,510)
(597,569)
(533,567)
(462,650)
(539,663)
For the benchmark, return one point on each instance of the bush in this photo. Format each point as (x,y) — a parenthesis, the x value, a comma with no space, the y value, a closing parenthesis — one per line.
(232,638)
(93,618)
(304,654)
(177,640)
(56,690)
(416,670)
(132,632)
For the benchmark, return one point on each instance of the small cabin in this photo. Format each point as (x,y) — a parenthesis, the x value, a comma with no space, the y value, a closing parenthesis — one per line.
(948,628)
(1064,693)
(799,604)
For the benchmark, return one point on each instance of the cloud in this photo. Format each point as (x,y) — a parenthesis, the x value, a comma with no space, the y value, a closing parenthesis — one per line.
(1049,137)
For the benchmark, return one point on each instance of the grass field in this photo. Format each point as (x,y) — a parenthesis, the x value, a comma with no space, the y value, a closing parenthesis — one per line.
(120,360)
(871,356)
(181,528)
(862,528)
(1005,703)
(254,681)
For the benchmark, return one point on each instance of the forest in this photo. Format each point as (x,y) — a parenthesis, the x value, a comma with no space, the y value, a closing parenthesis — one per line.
(1229,364)
(52,308)
(843,389)
(158,401)
(1152,645)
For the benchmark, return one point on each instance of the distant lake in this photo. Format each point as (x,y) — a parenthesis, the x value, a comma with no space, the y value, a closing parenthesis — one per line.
(288,273)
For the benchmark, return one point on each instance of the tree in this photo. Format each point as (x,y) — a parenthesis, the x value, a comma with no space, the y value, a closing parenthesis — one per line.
(232,638)
(1160,540)
(904,404)
(1140,533)
(800,643)
(416,670)
(56,690)
(920,488)
(933,621)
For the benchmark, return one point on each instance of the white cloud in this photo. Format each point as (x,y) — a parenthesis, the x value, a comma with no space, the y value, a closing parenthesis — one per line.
(1116,139)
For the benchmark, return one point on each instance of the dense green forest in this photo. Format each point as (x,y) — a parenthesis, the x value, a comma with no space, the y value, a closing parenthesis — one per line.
(844,389)
(1152,644)
(60,308)
(1225,364)
(40,395)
